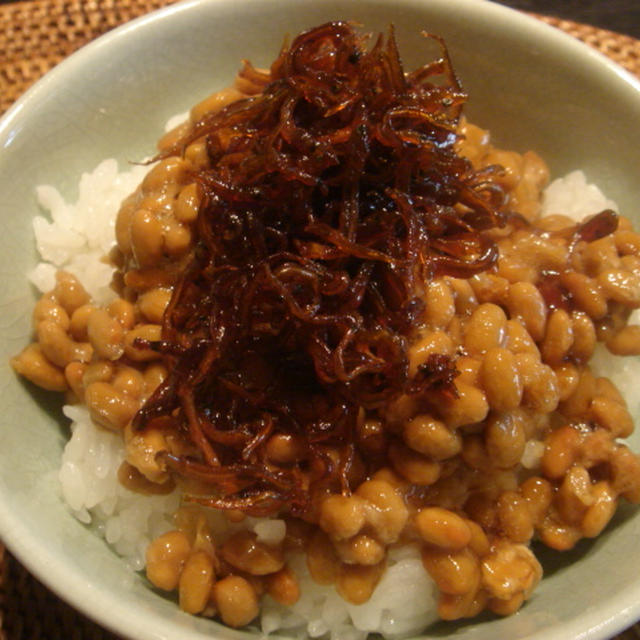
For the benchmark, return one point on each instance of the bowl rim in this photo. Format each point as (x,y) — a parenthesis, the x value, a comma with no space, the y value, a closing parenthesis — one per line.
(71,585)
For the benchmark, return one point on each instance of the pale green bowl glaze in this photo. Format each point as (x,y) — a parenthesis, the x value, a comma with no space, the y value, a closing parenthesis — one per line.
(533,86)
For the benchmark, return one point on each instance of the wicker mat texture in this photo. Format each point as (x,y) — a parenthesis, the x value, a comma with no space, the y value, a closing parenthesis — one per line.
(34,37)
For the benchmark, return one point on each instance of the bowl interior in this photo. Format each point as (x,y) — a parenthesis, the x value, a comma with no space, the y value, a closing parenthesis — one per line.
(533,87)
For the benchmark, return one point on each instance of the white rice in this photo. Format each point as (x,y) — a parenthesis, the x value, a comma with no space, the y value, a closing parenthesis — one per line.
(574,197)
(76,237)
(88,479)
(403,604)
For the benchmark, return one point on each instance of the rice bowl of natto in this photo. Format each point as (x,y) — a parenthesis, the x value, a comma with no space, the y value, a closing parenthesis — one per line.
(538,97)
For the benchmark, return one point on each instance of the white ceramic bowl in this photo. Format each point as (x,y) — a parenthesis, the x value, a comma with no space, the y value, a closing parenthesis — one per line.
(534,87)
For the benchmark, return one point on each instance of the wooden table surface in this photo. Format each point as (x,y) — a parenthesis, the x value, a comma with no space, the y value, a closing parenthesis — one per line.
(622,16)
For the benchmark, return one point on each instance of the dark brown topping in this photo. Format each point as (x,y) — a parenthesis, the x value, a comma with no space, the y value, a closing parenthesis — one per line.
(332,198)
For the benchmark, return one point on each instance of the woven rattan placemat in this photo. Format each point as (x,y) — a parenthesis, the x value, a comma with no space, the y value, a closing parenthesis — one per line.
(34,37)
